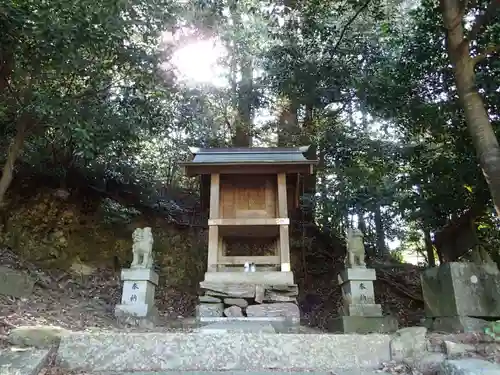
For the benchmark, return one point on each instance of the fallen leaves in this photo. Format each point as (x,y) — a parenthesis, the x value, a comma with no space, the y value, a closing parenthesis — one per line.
(77,302)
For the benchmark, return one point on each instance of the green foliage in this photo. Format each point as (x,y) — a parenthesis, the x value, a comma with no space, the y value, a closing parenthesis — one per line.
(493,330)
(114,213)
(368,84)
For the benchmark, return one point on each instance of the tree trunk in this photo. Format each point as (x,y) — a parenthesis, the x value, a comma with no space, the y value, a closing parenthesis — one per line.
(310,180)
(242,135)
(429,248)
(243,131)
(380,234)
(288,128)
(362,227)
(13,153)
(476,116)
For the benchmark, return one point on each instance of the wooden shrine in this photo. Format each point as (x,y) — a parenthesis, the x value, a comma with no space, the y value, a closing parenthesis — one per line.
(249,193)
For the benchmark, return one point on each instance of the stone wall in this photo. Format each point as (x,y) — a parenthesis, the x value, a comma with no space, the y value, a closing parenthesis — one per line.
(59,231)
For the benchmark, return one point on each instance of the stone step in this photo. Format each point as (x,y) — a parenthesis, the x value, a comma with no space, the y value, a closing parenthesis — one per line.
(163,351)
(235,326)
(277,372)
(23,361)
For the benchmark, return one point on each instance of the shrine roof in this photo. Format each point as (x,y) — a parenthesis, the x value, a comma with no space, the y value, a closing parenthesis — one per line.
(249,155)
(248,160)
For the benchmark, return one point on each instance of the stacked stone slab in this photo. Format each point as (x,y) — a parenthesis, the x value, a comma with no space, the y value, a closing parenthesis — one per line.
(137,305)
(359,313)
(138,292)
(461,296)
(248,300)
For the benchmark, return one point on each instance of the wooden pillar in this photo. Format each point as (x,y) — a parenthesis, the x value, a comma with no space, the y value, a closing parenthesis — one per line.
(213,230)
(284,239)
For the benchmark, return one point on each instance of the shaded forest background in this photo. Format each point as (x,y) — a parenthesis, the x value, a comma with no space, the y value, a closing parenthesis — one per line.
(399,100)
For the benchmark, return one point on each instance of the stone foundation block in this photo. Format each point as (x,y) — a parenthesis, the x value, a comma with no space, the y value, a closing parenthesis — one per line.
(260,277)
(455,324)
(363,324)
(365,309)
(461,289)
(360,274)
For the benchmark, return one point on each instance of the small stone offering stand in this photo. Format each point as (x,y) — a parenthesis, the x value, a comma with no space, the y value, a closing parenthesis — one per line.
(249,193)
(359,313)
(139,283)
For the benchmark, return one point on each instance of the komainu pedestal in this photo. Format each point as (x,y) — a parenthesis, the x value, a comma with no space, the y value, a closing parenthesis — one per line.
(139,283)
(138,292)
(359,313)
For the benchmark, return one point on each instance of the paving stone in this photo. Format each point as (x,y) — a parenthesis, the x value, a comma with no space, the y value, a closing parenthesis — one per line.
(214,319)
(468,366)
(120,351)
(275,372)
(25,362)
(235,326)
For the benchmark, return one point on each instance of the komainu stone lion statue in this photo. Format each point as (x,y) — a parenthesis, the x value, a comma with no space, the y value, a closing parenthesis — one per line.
(142,248)
(355,249)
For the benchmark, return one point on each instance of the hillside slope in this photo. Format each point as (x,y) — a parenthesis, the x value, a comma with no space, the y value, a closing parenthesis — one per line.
(74,245)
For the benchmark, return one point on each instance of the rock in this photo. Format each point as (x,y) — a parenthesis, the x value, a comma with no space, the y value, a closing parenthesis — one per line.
(210,310)
(454,349)
(276,297)
(426,363)
(37,336)
(287,310)
(259,293)
(236,301)
(15,283)
(29,362)
(228,290)
(209,299)
(468,366)
(233,311)
(408,342)
(488,349)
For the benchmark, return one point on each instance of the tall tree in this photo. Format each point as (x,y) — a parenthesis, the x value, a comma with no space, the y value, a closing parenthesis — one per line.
(465,52)
(66,66)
